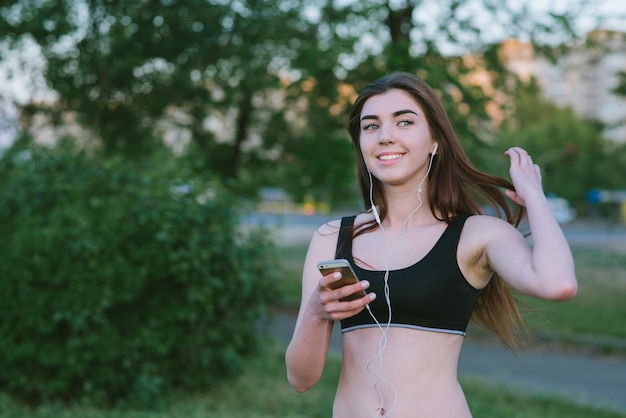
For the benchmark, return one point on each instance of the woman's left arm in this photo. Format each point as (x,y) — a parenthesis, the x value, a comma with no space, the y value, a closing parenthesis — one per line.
(546,270)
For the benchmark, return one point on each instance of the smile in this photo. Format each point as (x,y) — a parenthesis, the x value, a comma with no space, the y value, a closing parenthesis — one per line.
(388,157)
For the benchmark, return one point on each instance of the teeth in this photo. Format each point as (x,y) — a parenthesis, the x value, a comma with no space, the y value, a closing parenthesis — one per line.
(389,157)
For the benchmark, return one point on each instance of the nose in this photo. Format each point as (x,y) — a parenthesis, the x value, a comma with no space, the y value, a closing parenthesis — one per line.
(385,136)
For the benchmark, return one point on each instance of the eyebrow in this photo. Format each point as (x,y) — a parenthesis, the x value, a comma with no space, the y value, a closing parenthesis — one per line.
(395,114)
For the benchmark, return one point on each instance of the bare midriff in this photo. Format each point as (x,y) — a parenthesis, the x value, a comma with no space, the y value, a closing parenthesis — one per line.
(421,366)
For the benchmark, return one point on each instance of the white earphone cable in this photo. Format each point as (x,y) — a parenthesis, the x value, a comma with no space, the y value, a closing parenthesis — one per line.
(382,342)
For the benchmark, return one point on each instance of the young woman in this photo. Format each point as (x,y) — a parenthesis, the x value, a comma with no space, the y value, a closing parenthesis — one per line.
(426,257)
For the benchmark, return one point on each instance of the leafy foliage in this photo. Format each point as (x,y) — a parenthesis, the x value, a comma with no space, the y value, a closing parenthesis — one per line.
(621,86)
(563,145)
(120,282)
(256,84)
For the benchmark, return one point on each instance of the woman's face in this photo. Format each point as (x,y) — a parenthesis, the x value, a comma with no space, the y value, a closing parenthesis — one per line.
(395,138)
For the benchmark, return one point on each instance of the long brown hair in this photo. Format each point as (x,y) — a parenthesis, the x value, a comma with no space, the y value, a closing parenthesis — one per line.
(455,186)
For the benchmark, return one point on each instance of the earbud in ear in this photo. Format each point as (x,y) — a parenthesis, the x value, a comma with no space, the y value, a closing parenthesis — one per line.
(435,149)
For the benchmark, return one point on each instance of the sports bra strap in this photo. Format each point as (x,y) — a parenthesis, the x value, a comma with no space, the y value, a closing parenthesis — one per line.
(344,240)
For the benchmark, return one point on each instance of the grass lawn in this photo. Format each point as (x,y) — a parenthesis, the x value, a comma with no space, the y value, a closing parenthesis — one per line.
(596,315)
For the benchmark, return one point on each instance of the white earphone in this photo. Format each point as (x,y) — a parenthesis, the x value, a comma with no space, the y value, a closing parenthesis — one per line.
(382,344)
(373,207)
(376,215)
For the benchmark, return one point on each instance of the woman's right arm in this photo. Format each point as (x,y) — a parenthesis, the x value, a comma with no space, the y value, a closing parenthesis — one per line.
(319,308)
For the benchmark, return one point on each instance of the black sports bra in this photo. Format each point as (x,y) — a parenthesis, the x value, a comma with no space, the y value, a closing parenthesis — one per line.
(431,295)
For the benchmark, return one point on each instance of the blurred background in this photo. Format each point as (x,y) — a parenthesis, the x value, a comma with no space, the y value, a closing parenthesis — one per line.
(164,162)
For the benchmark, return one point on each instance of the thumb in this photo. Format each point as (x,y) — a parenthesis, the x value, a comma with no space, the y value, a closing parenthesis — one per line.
(512,194)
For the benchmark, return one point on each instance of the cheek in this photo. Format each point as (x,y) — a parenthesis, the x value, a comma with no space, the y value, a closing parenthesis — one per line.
(366,143)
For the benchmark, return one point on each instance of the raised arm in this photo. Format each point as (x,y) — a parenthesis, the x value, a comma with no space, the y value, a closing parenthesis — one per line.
(319,308)
(546,269)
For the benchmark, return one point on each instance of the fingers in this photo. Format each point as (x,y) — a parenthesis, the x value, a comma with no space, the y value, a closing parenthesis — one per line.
(525,175)
(327,281)
(538,172)
(520,159)
(332,289)
(333,301)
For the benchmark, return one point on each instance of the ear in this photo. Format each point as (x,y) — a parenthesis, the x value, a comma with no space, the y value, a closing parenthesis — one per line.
(434,151)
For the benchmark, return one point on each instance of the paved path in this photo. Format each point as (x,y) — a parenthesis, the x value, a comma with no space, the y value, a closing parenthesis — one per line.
(596,381)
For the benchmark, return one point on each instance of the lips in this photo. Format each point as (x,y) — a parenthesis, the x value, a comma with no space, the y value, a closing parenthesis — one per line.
(389,157)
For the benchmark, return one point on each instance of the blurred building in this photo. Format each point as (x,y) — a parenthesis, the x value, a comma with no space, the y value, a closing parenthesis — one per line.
(581,78)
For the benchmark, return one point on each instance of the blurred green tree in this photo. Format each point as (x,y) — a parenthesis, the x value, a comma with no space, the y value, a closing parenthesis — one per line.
(372,38)
(621,86)
(260,88)
(620,90)
(123,281)
(571,151)
(123,66)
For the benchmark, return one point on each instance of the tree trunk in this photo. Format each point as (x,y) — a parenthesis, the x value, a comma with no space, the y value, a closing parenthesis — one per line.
(400,22)
(242,128)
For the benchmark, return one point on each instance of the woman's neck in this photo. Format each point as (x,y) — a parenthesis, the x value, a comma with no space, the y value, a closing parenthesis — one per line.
(406,208)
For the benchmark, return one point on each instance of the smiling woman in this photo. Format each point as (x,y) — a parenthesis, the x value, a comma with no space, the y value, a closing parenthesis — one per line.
(405,134)
(428,259)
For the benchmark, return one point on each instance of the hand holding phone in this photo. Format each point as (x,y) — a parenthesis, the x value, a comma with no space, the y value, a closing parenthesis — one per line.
(348,276)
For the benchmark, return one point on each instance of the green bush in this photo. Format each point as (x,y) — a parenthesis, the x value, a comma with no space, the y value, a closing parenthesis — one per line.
(119,283)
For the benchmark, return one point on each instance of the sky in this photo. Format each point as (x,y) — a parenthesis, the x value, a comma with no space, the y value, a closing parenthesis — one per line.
(613,10)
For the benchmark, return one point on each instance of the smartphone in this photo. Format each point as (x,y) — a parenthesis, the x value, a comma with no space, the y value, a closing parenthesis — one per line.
(347,275)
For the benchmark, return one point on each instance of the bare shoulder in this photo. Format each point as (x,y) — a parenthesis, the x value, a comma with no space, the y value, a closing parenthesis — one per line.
(322,246)
(481,231)
(332,227)
(485,225)
(324,240)
(478,231)
(327,233)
